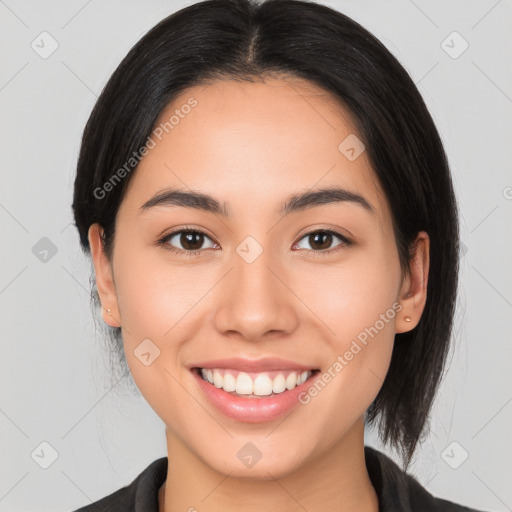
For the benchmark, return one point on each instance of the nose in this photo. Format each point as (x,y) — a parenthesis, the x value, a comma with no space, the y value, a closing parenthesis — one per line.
(255,301)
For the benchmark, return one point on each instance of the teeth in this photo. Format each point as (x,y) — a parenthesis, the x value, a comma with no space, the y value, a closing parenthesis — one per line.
(217,379)
(244,385)
(291,381)
(262,384)
(279,384)
(302,378)
(229,383)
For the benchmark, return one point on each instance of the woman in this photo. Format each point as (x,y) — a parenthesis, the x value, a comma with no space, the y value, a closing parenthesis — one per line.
(274,233)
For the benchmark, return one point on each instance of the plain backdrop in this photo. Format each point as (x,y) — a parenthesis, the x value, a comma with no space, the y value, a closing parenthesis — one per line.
(59,406)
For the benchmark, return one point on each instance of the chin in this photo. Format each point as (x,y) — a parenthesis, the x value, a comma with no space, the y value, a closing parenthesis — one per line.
(253,461)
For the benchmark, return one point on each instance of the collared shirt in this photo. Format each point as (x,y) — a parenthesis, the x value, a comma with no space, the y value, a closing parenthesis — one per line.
(397,491)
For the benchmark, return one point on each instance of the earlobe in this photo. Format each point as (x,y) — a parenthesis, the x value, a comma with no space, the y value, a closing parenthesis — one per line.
(104,279)
(413,292)
(109,319)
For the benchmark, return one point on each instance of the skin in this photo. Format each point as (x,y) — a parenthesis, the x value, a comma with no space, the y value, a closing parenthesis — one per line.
(252,145)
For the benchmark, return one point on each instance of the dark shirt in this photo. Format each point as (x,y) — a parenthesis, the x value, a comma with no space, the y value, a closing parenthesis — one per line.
(396,490)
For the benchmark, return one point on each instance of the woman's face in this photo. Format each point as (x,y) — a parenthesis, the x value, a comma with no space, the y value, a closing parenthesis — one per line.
(262,283)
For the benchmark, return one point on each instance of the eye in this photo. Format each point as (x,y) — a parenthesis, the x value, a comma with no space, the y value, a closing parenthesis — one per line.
(321,241)
(191,241)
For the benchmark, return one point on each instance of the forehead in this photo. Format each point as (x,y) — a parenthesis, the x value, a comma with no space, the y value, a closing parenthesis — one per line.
(251,143)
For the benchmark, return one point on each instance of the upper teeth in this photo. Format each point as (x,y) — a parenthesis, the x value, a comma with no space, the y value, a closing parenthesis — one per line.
(261,384)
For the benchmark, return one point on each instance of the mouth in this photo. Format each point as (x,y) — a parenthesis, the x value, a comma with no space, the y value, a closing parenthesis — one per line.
(254,385)
(253,390)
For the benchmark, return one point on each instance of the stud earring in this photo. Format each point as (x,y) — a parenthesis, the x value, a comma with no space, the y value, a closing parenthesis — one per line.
(407,318)
(108,311)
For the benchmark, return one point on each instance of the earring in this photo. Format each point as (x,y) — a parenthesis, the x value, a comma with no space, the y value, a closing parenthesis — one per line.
(407,318)
(108,311)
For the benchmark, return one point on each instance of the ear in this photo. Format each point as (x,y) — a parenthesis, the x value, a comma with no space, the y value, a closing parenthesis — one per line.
(413,292)
(104,277)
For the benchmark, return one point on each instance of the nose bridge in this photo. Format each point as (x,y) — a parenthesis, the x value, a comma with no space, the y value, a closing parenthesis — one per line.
(255,301)
(254,281)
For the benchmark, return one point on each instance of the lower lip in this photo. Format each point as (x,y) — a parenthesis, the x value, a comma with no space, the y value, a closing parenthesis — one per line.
(252,410)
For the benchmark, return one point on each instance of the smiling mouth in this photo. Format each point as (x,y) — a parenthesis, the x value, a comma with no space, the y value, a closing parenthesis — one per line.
(252,384)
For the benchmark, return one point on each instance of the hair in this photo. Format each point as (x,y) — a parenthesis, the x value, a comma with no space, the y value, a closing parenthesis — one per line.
(247,40)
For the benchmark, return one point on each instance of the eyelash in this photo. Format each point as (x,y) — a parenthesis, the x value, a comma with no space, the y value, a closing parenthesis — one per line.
(162,242)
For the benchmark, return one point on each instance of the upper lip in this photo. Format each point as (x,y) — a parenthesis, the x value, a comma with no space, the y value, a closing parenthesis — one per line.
(253,365)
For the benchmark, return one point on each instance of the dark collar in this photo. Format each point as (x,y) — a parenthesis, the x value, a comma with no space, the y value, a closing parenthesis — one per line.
(399,491)
(396,490)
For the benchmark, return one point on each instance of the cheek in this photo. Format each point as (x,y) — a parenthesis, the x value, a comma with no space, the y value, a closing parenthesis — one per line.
(156,300)
(356,307)
(154,295)
(353,295)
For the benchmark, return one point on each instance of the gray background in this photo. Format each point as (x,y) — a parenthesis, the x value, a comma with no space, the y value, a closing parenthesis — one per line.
(55,382)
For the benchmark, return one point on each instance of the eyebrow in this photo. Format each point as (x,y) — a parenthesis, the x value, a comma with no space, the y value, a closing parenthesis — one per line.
(295,203)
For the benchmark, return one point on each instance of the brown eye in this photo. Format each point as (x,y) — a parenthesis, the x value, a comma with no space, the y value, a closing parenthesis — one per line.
(322,241)
(188,241)
(191,240)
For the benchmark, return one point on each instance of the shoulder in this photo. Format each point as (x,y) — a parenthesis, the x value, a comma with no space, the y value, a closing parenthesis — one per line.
(140,494)
(399,491)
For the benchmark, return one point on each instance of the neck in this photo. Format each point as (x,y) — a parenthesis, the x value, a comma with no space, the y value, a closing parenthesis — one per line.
(337,480)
